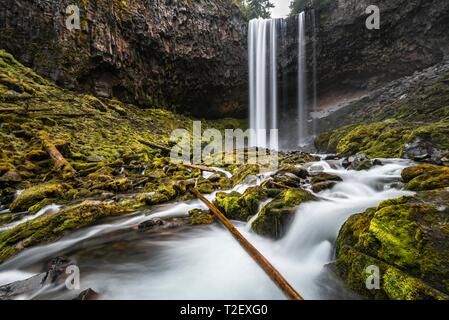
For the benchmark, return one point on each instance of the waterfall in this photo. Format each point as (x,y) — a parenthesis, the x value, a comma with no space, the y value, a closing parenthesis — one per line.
(264,48)
(302,92)
(262,38)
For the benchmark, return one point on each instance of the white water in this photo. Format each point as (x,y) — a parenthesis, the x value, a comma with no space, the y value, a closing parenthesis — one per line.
(50,209)
(263,54)
(206,262)
(302,92)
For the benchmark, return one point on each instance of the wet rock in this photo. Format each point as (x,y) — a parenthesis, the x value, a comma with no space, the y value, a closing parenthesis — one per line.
(215,177)
(11,177)
(48,228)
(201,217)
(157,224)
(150,224)
(88,294)
(242,207)
(7,218)
(425,177)
(274,218)
(33,195)
(54,275)
(407,239)
(359,163)
(325,177)
(318,187)
(297,170)
(287,180)
(331,157)
(242,171)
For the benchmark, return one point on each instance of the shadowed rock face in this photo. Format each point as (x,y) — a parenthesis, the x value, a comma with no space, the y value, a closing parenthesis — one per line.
(186,54)
(352,59)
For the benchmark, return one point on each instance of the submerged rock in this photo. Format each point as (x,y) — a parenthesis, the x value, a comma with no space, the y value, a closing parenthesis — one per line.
(274,218)
(53,275)
(407,239)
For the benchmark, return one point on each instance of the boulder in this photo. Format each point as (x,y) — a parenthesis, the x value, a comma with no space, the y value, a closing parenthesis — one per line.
(407,239)
(242,207)
(426,177)
(275,217)
(201,217)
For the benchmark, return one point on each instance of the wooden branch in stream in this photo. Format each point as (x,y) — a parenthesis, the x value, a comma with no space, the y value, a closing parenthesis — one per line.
(269,269)
(61,164)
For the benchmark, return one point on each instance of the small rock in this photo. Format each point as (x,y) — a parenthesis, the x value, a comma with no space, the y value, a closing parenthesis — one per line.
(318,187)
(88,294)
(11,177)
(96,158)
(331,157)
(150,224)
(215,177)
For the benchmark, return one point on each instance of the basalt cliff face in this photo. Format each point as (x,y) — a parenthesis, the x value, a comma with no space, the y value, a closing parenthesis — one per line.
(190,55)
(352,60)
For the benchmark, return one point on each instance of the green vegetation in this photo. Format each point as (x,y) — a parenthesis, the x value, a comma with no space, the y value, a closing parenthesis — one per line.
(252,9)
(297,6)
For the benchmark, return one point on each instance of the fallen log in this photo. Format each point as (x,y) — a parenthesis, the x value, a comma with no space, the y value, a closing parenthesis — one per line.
(269,269)
(61,164)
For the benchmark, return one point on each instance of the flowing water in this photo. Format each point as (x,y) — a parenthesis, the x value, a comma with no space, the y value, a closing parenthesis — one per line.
(206,262)
(264,37)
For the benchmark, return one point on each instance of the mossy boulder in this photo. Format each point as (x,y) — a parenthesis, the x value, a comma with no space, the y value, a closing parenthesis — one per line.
(240,172)
(274,218)
(408,239)
(201,217)
(426,177)
(297,170)
(36,194)
(240,207)
(51,227)
(324,177)
(323,181)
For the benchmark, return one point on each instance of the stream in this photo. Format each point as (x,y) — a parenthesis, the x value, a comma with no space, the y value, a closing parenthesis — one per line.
(206,262)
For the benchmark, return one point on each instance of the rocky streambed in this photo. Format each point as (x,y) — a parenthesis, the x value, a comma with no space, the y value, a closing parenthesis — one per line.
(175,250)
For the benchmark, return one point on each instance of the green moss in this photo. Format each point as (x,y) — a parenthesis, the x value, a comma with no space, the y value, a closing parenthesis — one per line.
(386,139)
(48,228)
(201,217)
(426,177)
(240,207)
(34,195)
(407,238)
(242,171)
(273,219)
(7,218)
(324,177)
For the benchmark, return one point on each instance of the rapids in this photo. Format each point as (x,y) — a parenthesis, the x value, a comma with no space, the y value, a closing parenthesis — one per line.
(206,262)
